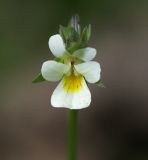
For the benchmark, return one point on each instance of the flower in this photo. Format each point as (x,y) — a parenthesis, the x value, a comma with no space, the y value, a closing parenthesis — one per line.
(74,70)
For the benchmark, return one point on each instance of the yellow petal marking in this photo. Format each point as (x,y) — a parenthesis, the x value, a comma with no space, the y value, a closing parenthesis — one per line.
(73,83)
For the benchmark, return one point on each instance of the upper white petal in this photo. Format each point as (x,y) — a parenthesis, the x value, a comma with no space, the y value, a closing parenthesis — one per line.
(53,71)
(57,45)
(86,54)
(78,100)
(90,70)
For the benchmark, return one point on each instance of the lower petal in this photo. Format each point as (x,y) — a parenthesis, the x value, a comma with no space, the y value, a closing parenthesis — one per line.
(68,97)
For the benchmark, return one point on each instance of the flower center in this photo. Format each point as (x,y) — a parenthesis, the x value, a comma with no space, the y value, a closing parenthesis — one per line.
(73,83)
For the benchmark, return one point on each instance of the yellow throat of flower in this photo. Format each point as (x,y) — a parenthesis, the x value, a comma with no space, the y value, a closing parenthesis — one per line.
(73,83)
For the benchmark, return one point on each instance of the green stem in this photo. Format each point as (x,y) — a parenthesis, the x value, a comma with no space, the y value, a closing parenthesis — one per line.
(72,134)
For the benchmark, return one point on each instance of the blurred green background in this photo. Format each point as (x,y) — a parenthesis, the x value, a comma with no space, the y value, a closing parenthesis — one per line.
(115,126)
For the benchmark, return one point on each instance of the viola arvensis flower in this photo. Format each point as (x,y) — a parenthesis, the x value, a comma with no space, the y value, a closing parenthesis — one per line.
(73,67)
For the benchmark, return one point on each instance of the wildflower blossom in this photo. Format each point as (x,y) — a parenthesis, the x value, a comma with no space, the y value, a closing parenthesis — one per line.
(72,66)
(74,70)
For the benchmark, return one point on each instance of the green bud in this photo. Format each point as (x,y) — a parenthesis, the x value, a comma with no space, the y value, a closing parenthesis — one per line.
(69,35)
(72,36)
(86,34)
(74,23)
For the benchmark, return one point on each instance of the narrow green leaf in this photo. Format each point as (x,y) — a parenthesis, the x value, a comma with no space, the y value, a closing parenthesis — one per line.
(38,79)
(100,84)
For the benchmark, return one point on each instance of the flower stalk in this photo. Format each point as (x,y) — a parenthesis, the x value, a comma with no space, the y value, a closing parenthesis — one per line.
(73,114)
(72,134)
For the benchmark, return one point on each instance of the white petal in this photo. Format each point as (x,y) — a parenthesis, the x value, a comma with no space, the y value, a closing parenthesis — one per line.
(90,70)
(56,45)
(78,100)
(53,71)
(86,54)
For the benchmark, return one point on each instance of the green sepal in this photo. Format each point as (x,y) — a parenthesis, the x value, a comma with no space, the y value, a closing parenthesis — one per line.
(57,59)
(65,32)
(100,84)
(86,34)
(72,36)
(75,46)
(38,79)
(69,35)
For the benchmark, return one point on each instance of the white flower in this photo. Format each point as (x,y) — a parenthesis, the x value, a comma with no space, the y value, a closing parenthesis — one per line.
(72,92)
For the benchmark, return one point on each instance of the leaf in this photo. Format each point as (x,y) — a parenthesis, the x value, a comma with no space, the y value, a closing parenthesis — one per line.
(86,34)
(38,79)
(100,84)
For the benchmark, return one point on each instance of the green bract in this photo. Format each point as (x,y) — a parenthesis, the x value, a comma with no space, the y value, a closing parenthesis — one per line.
(39,78)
